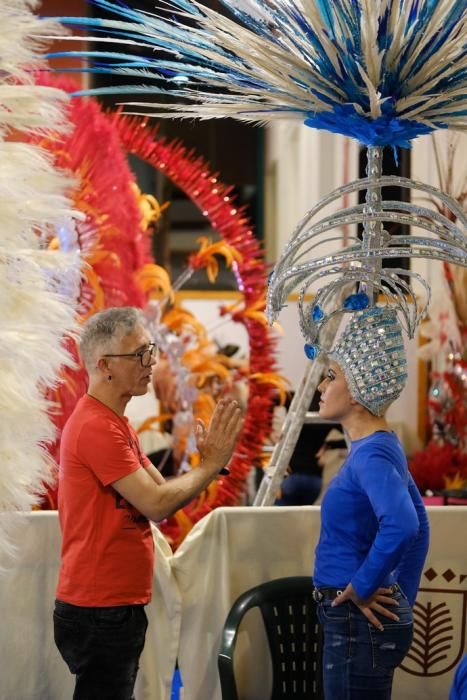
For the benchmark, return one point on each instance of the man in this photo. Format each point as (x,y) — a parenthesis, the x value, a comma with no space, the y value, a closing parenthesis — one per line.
(108,492)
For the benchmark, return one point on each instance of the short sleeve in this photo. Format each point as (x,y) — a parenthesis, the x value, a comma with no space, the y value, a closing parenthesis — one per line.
(106,448)
(146,461)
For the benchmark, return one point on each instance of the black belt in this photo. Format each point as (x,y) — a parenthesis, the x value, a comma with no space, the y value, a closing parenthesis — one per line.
(320,594)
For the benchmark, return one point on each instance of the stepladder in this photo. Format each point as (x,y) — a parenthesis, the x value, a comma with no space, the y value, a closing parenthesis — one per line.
(297,415)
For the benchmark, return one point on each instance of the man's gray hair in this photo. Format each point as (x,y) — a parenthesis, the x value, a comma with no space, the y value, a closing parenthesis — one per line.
(102,332)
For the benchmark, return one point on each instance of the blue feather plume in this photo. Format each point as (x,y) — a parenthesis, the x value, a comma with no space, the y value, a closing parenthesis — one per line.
(380,71)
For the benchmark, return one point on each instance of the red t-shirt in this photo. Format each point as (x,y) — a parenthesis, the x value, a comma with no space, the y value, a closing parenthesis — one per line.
(107,546)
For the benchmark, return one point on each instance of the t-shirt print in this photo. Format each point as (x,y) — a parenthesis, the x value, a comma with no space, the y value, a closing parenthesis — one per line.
(132,516)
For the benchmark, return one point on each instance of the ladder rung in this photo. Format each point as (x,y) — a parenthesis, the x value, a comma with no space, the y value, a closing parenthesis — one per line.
(314,417)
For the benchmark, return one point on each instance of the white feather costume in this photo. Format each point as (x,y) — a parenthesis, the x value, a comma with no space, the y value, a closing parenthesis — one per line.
(37,286)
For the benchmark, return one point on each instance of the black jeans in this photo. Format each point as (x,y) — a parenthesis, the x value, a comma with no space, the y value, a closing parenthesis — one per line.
(101,646)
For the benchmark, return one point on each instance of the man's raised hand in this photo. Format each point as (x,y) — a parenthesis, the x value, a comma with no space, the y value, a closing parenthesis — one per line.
(216,444)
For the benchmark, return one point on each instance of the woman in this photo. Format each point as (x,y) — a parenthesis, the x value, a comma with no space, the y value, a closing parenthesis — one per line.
(374,528)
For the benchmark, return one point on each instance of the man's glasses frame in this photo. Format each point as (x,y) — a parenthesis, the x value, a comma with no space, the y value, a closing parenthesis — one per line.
(149,352)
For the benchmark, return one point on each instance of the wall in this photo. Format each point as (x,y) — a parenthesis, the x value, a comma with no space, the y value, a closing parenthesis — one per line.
(301,166)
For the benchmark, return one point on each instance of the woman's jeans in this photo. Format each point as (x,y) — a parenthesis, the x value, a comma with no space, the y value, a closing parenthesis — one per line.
(102,647)
(358,659)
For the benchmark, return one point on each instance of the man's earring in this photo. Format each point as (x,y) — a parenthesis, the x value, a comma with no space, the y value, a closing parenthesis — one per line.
(109,378)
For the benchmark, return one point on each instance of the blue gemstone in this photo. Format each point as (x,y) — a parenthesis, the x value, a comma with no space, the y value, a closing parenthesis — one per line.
(318,313)
(310,351)
(357,302)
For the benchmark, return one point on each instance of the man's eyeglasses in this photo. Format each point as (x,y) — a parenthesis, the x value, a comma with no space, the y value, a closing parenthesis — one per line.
(145,355)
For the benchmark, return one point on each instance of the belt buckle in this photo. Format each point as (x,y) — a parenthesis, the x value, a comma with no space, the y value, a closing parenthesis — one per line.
(317,595)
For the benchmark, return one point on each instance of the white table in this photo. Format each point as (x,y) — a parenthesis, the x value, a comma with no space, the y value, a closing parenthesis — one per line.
(226,553)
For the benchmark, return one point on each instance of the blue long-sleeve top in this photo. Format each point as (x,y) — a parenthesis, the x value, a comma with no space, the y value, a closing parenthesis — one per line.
(374,526)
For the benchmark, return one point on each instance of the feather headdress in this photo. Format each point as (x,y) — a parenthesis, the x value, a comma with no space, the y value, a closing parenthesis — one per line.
(382,71)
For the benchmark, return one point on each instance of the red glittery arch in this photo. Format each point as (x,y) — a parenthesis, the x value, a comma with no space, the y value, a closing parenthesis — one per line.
(192,174)
(97,140)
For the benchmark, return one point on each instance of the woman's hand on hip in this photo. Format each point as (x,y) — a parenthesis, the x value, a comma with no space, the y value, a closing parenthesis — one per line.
(370,606)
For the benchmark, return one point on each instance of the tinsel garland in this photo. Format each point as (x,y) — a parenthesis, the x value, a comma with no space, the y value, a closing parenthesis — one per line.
(438,464)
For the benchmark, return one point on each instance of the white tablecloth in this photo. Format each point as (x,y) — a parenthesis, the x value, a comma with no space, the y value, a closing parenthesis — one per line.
(229,551)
